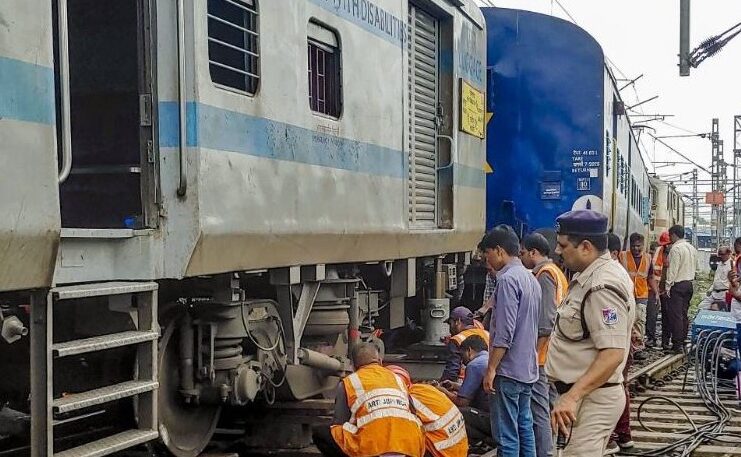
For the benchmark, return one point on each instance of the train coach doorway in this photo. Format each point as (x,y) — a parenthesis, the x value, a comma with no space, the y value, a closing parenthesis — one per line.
(104,71)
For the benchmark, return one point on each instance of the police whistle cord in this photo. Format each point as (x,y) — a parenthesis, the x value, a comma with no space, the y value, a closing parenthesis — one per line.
(705,358)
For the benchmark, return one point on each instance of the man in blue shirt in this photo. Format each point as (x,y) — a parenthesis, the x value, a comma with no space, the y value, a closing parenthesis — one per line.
(469,396)
(513,367)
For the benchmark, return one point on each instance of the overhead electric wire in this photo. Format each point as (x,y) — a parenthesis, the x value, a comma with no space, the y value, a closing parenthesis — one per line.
(679,153)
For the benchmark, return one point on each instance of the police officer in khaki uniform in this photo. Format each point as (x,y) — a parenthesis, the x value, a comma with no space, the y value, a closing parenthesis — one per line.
(591,338)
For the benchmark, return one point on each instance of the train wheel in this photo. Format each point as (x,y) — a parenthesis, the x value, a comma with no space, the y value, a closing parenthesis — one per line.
(185,429)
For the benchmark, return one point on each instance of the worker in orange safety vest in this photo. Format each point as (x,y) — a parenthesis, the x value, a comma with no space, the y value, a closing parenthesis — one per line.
(640,269)
(442,422)
(462,325)
(372,415)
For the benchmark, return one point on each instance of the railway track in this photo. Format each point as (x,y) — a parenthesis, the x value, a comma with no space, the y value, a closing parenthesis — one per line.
(662,422)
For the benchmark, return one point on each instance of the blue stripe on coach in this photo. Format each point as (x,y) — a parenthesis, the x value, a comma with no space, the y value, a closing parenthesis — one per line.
(26,91)
(219,129)
(223,130)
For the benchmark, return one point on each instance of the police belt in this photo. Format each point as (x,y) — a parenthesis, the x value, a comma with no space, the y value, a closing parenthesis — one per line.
(562,387)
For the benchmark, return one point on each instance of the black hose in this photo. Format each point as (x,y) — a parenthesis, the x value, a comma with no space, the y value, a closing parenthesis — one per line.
(706,359)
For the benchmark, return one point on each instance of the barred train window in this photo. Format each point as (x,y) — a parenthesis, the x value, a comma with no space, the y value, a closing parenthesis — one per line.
(325,79)
(233,44)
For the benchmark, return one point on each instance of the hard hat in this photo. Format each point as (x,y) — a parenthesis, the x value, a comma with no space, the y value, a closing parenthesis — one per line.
(664,239)
(400,372)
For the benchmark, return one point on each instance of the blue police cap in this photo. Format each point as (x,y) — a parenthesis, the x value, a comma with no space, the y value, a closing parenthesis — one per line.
(581,222)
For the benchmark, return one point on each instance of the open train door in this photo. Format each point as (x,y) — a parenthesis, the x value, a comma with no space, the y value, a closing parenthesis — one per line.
(107,111)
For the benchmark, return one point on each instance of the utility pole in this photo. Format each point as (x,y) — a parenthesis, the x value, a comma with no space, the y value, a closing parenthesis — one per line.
(736,190)
(684,37)
(695,207)
(722,184)
(715,168)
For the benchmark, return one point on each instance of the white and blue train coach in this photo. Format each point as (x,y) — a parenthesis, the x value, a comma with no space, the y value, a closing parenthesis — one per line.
(205,202)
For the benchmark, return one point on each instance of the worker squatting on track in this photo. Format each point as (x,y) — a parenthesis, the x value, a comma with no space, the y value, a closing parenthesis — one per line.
(544,332)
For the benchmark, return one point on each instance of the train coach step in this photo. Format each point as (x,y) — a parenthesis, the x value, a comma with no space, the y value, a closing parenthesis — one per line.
(110,444)
(101,343)
(102,395)
(102,289)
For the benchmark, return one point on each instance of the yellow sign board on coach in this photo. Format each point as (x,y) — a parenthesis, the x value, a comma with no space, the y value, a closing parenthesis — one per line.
(473,110)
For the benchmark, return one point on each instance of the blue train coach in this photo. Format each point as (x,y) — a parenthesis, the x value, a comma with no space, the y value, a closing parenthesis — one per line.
(560,137)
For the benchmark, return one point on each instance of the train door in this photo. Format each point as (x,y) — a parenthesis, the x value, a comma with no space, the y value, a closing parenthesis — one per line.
(106,111)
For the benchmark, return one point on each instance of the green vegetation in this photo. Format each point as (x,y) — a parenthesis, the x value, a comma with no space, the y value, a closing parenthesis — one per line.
(703,282)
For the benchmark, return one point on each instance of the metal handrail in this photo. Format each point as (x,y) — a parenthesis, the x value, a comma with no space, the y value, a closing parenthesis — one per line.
(182,118)
(66,127)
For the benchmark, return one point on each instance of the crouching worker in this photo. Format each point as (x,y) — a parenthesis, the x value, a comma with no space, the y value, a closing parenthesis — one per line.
(462,325)
(470,396)
(372,415)
(443,424)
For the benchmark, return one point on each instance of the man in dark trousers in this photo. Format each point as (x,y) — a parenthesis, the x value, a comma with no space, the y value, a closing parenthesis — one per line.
(652,309)
(679,278)
(470,396)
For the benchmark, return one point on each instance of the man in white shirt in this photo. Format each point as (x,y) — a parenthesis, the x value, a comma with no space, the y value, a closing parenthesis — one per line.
(679,288)
(716,296)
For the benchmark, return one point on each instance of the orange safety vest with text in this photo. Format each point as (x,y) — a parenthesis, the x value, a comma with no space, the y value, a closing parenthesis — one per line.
(381,421)
(442,422)
(562,287)
(638,273)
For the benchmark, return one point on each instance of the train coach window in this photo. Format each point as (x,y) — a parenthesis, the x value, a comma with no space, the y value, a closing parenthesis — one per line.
(325,88)
(233,44)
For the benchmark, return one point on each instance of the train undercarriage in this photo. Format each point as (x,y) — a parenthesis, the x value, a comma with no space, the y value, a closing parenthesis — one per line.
(145,360)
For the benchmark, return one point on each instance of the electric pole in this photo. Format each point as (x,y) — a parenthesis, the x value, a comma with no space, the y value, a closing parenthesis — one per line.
(722,184)
(736,190)
(684,37)
(695,207)
(716,194)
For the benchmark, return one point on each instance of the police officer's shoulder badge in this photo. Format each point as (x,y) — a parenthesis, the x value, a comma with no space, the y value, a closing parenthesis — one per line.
(609,316)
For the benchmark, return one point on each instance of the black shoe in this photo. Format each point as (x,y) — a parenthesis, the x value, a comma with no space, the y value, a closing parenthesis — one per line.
(640,355)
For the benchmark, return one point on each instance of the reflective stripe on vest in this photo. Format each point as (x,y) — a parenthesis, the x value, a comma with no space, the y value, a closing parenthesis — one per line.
(638,273)
(461,337)
(444,426)
(379,406)
(380,414)
(658,262)
(562,287)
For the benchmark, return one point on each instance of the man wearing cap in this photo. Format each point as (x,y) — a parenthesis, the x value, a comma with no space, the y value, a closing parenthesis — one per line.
(462,325)
(591,338)
(553,284)
(661,267)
